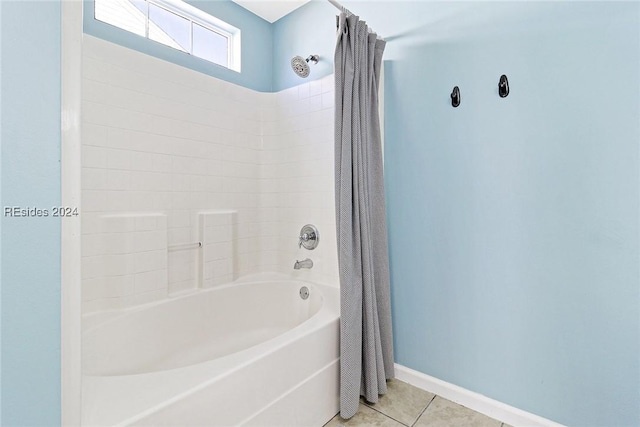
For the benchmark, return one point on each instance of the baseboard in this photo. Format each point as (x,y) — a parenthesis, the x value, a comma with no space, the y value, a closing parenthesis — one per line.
(479,403)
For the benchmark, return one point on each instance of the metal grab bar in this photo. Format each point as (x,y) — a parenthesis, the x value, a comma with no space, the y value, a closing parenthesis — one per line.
(185,246)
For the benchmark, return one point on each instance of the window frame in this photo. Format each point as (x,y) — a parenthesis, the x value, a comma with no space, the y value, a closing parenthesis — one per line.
(195,16)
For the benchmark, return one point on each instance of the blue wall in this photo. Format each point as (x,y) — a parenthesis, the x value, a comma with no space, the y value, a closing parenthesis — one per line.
(30,269)
(309,30)
(513,222)
(257,59)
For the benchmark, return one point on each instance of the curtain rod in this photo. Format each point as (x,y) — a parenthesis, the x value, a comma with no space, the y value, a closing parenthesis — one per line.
(347,12)
(341,7)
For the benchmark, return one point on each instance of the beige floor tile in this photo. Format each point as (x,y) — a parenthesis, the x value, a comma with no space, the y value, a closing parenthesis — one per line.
(444,413)
(366,417)
(402,402)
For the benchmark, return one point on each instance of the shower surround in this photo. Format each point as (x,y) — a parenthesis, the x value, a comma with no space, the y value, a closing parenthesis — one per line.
(171,157)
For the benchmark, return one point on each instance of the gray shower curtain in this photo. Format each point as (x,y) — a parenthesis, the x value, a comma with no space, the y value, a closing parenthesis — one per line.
(366,343)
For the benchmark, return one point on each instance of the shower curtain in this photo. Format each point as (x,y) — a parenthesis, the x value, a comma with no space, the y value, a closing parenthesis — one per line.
(366,345)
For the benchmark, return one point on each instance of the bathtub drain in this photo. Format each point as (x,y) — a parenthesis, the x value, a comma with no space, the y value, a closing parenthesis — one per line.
(304,292)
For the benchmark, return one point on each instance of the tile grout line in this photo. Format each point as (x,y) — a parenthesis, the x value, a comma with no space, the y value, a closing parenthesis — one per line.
(398,421)
(381,413)
(388,416)
(424,410)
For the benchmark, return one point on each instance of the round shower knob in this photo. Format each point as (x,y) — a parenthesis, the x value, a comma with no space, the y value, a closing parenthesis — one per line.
(309,237)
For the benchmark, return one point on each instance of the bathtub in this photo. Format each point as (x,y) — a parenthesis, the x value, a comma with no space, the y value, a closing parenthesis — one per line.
(252,353)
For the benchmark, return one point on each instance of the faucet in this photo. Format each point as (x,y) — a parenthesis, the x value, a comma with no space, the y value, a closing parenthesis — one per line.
(307,263)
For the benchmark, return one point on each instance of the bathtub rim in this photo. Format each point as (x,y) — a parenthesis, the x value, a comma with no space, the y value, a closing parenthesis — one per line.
(93,320)
(323,310)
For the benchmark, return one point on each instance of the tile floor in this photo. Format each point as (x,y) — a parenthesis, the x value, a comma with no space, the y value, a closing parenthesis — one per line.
(405,405)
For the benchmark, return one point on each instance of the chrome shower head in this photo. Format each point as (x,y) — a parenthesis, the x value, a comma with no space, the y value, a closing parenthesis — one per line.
(301,66)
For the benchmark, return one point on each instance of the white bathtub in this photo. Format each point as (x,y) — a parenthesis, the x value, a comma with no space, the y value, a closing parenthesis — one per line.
(241,354)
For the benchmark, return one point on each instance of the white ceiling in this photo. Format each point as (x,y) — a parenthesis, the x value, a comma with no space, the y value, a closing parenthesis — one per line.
(269,9)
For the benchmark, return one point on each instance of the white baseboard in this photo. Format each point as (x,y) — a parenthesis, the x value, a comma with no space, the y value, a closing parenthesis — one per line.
(479,403)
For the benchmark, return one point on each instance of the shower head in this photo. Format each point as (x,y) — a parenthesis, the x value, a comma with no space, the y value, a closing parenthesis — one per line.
(301,66)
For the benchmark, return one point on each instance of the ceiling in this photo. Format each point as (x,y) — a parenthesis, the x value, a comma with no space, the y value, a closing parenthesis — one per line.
(269,9)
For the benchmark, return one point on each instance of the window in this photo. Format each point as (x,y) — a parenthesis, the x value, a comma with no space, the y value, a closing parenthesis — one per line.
(176,24)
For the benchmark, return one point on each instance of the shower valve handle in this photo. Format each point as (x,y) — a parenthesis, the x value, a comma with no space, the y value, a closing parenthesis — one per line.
(309,237)
(305,237)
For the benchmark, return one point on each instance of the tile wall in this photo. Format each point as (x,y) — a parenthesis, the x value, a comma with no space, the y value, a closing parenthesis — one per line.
(298,175)
(166,144)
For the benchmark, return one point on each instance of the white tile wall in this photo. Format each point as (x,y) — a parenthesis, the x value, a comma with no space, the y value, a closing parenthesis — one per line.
(159,139)
(297,176)
(218,234)
(124,261)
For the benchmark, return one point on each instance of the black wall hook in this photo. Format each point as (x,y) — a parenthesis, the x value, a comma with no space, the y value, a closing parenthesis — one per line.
(455,96)
(503,86)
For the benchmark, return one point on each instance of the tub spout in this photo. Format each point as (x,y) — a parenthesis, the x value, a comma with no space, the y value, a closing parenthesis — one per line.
(307,263)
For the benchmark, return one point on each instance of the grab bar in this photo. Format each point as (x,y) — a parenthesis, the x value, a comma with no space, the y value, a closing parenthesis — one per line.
(185,246)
